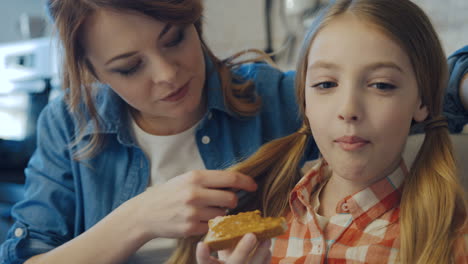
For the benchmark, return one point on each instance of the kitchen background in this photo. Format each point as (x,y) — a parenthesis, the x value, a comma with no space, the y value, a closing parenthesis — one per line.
(28,62)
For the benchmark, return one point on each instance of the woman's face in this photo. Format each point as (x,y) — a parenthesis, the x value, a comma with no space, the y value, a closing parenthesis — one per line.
(157,68)
(361,97)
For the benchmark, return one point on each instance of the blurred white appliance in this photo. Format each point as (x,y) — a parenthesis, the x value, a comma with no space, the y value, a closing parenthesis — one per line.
(296,16)
(298,7)
(23,65)
(27,70)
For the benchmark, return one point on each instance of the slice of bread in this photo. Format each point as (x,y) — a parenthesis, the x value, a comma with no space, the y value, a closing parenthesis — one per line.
(224,232)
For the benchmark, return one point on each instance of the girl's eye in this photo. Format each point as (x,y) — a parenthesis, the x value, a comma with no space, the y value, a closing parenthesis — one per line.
(129,70)
(383,86)
(325,85)
(177,40)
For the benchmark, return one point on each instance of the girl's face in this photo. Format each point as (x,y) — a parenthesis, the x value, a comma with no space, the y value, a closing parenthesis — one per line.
(361,96)
(158,69)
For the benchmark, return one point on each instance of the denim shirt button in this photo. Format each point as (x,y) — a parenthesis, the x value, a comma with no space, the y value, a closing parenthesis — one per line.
(19,232)
(210,115)
(205,140)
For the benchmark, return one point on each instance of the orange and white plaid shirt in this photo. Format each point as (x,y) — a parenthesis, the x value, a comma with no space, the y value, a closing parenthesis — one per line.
(365,228)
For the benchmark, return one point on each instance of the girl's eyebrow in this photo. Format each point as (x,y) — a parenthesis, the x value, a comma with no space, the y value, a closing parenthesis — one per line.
(371,67)
(322,64)
(385,64)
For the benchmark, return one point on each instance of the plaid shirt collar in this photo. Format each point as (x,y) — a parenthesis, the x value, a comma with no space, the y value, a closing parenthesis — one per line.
(364,206)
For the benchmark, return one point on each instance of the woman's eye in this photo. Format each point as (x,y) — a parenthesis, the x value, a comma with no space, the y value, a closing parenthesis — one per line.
(130,70)
(383,86)
(325,85)
(177,40)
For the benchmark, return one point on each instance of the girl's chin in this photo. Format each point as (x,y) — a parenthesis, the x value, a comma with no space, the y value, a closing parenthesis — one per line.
(351,172)
(351,164)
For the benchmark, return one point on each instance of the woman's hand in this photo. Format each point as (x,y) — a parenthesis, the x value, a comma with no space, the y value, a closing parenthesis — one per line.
(246,251)
(182,206)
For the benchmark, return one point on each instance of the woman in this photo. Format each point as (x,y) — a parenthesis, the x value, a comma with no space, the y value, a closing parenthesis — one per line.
(129,153)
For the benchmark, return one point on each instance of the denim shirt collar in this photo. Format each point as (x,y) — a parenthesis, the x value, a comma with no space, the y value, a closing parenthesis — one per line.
(113,114)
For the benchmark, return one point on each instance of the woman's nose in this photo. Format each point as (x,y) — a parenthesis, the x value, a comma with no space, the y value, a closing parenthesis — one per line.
(164,71)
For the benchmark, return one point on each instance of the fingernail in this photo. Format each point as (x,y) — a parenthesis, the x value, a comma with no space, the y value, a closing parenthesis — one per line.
(251,238)
(200,245)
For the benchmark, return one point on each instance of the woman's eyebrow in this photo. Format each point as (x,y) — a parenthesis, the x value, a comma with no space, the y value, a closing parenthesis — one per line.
(121,56)
(166,29)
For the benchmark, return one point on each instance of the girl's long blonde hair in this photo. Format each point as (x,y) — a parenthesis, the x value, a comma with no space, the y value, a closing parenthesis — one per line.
(433,206)
(77,74)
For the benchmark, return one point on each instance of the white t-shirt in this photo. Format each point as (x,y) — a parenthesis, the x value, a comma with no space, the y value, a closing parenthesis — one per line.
(169,156)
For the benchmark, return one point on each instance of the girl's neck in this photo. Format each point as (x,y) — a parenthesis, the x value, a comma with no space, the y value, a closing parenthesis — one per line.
(334,191)
(338,187)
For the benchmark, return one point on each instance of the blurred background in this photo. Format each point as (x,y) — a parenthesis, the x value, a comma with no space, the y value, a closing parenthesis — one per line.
(29,75)
(233,25)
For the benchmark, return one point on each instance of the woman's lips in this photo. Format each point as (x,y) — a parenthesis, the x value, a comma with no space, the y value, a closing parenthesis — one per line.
(350,143)
(178,94)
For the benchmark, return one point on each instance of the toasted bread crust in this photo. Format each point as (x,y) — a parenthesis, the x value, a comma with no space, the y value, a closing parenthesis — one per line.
(225,232)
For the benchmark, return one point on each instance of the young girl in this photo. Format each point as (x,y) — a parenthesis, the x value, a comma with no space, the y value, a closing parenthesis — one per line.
(131,153)
(368,71)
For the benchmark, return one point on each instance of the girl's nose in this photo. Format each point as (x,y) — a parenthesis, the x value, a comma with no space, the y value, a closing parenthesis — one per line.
(350,110)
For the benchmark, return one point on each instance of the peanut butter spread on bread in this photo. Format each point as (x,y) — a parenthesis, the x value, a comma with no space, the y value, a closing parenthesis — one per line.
(226,231)
(242,223)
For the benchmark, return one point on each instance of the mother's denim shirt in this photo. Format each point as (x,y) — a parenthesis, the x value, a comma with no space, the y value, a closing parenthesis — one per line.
(64,198)
(453,108)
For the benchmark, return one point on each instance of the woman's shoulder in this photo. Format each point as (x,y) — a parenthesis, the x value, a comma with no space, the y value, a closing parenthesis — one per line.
(57,109)
(461,51)
(268,80)
(261,71)
(108,108)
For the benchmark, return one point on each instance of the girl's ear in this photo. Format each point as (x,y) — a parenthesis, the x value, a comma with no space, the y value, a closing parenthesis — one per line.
(421,112)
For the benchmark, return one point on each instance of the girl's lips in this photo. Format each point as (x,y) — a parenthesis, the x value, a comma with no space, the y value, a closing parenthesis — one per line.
(350,143)
(178,94)
(352,146)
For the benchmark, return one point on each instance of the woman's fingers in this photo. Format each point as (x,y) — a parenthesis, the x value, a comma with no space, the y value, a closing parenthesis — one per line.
(197,223)
(212,197)
(210,213)
(200,196)
(222,179)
